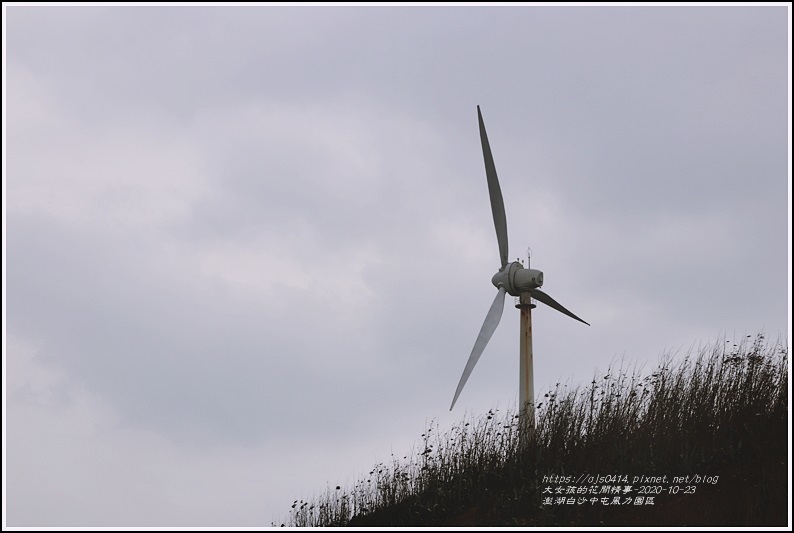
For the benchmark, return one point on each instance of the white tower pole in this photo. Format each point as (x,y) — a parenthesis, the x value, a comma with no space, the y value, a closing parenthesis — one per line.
(526,387)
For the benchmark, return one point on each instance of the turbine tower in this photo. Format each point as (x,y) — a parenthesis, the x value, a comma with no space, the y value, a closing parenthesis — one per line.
(514,279)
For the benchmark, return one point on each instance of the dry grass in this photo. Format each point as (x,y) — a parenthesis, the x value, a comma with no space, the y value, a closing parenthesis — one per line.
(723,411)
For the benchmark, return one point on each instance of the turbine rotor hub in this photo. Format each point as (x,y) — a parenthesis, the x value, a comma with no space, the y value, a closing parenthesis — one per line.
(517,279)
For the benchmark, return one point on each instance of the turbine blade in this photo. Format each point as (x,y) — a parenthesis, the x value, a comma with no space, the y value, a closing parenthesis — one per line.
(488,327)
(497,203)
(541,296)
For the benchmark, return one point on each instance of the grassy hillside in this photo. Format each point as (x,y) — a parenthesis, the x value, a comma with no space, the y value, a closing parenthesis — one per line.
(702,442)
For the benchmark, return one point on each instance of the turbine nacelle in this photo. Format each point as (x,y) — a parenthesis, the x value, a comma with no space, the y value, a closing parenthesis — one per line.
(517,279)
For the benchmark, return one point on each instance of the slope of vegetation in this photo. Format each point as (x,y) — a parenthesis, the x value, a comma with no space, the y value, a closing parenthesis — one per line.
(721,415)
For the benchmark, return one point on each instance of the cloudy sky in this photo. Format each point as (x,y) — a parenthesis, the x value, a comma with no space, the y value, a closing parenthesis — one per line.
(249,248)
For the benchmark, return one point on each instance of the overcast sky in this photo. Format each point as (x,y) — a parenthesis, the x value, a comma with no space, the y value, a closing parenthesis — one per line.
(249,249)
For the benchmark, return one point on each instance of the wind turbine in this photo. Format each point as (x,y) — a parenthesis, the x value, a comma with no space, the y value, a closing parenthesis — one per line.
(514,279)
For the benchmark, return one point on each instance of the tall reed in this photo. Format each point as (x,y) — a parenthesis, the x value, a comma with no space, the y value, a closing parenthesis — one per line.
(723,409)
